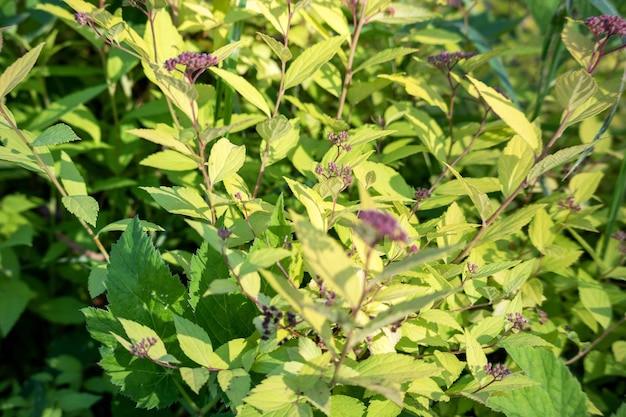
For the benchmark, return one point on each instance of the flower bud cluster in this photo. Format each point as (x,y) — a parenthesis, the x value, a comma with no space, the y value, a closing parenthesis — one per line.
(328,296)
(472,269)
(195,64)
(498,371)
(422,194)
(83,19)
(569,204)
(332,170)
(224,233)
(448,60)
(606,26)
(384,225)
(519,321)
(141,348)
(271,319)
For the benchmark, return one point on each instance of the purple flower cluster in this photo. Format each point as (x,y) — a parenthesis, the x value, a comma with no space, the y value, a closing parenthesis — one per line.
(195,64)
(384,225)
(447,60)
(498,371)
(141,348)
(83,18)
(224,233)
(471,270)
(340,140)
(344,172)
(328,296)
(606,26)
(422,194)
(519,321)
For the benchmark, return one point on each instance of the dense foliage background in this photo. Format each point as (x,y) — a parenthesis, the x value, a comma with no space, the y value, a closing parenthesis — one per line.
(430,145)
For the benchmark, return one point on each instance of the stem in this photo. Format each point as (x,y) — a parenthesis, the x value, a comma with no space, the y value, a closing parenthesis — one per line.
(279,98)
(515,193)
(54,180)
(583,352)
(347,81)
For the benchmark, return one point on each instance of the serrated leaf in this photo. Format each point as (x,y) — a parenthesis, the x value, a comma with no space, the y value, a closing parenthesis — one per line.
(195,378)
(419,87)
(574,88)
(71,179)
(311,59)
(556,159)
(170,160)
(55,135)
(558,394)
(523,339)
(137,332)
(512,224)
(17,71)
(541,232)
(507,111)
(263,258)
(271,394)
(82,206)
(14,297)
(244,88)
(385,56)
(273,129)
(121,225)
(236,384)
(584,185)
(476,358)
(311,200)
(225,160)
(180,200)
(283,53)
(193,340)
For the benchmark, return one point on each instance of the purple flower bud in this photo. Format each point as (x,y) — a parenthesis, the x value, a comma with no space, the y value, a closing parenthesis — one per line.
(384,224)
(82,18)
(224,233)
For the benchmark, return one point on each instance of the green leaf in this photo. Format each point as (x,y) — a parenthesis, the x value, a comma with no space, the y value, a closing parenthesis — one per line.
(419,87)
(61,310)
(194,377)
(595,299)
(584,185)
(180,200)
(83,207)
(121,225)
(225,160)
(514,164)
(384,56)
(282,52)
(136,332)
(507,111)
(16,72)
(556,159)
(140,286)
(72,181)
(518,340)
(161,137)
(170,160)
(512,224)
(541,231)
(311,59)
(55,135)
(574,88)
(271,394)
(395,367)
(14,297)
(480,200)
(579,46)
(61,107)
(244,88)
(429,132)
(193,340)
(327,259)
(236,384)
(311,200)
(476,358)
(263,258)
(558,394)
(274,129)
(342,405)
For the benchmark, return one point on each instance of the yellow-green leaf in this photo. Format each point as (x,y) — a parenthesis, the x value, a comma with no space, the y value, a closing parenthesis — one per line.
(507,111)
(579,46)
(244,88)
(225,160)
(574,88)
(71,179)
(83,207)
(55,135)
(170,160)
(17,71)
(311,59)
(283,53)
(514,164)
(194,341)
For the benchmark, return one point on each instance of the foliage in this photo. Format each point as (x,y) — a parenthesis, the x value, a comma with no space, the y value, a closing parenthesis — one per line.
(326,208)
